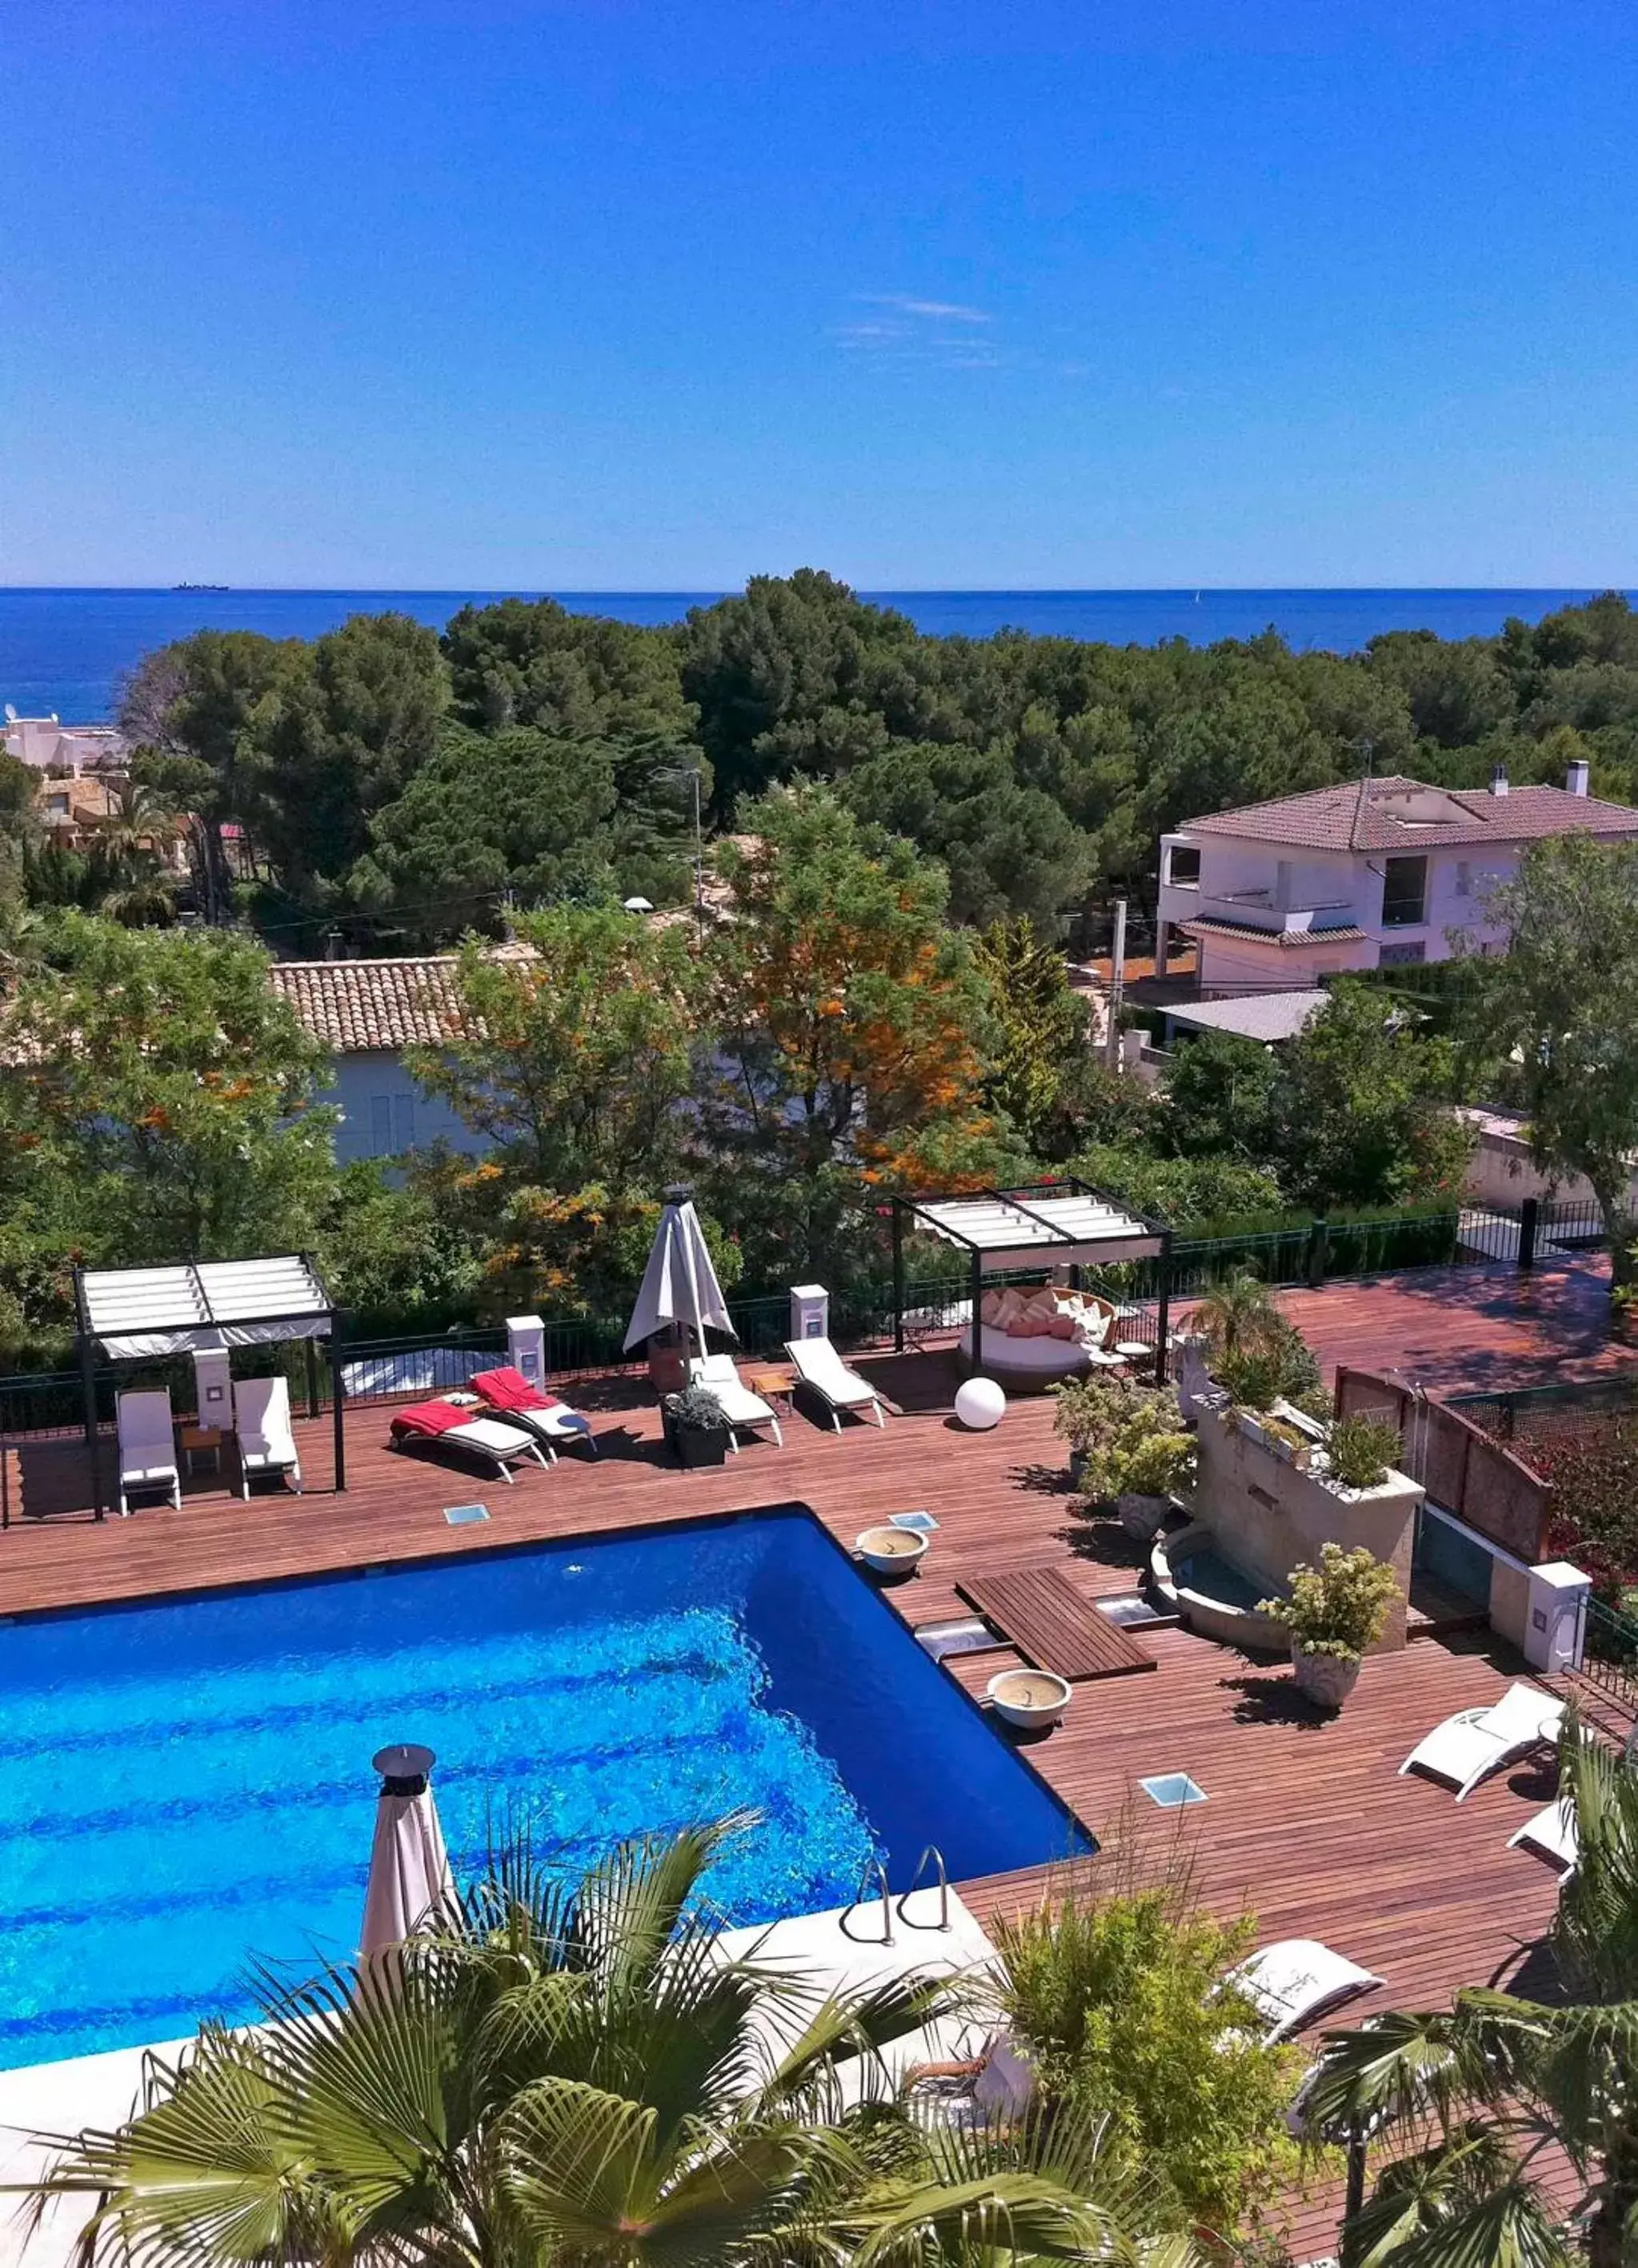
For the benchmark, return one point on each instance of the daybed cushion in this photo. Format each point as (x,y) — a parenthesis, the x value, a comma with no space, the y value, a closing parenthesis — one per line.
(1040,1360)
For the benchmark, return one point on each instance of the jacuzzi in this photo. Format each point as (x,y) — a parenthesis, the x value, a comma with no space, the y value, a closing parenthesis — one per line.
(1213,1594)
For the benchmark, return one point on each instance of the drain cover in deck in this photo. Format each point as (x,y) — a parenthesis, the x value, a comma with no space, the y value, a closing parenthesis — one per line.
(464,1515)
(1172,1790)
(918,1523)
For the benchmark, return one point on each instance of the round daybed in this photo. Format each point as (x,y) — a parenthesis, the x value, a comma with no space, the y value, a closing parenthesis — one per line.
(1025,1366)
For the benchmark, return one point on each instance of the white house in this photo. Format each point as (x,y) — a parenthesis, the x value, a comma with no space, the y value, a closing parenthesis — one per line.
(1376,874)
(366,1012)
(50,746)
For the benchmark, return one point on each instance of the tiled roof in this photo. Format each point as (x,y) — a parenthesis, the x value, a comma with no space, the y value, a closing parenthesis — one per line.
(1347,934)
(1404,814)
(353,1005)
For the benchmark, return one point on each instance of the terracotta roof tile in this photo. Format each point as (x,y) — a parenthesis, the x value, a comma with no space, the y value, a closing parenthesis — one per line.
(1405,814)
(356,1005)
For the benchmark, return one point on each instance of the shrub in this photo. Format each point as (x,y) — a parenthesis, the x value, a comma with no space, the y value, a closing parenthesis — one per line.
(1132,1438)
(1338,1607)
(1362,1449)
(696,1409)
(1117,2000)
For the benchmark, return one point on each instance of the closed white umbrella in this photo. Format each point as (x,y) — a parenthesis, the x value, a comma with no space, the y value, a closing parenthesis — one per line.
(410,1883)
(679,1284)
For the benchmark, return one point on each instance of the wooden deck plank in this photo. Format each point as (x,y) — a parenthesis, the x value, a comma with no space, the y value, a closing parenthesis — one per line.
(1043,1616)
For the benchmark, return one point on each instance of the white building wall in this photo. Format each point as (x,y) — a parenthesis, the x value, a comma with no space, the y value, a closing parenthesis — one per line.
(1265,883)
(384,1113)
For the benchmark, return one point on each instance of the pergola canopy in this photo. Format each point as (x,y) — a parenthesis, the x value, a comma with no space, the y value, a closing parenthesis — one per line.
(132,1313)
(1053,1223)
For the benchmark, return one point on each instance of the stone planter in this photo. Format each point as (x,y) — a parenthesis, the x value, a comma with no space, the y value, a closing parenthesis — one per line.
(694,1445)
(1142,1516)
(1031,1700)
(1322,1678)
(892,1553)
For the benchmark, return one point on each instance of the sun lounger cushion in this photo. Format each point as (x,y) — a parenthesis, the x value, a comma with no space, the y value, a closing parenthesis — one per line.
(425,1420)
(1290,1983)
(506,1388)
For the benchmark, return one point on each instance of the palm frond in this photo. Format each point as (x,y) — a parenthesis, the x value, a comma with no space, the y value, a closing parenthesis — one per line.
(1464,2204)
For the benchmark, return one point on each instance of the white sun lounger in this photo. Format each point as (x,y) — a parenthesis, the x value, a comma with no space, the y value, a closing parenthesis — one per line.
(1289,1983)
(492,1439)
(1475,1742)
(147,1446)
(743,1410)
(262,1427)
(1552,1832)
(818,1364)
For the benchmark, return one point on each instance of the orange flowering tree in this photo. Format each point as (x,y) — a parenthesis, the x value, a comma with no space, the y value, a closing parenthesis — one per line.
(853,1030)
(158,1102)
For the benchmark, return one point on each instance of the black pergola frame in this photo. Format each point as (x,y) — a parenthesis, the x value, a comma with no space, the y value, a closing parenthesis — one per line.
(1030,1254)
(89,1344)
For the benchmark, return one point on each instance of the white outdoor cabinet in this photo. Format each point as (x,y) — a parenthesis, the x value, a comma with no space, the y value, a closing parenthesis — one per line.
(810,1312)
(525,1347)
(213,1387)
(1556,1626)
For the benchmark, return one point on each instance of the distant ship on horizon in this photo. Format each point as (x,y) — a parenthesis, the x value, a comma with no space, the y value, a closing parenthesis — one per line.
(202,586)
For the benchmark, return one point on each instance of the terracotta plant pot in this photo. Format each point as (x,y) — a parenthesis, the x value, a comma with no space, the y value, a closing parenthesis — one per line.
(1323,1679)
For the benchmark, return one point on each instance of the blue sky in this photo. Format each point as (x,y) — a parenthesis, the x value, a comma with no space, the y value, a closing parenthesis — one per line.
(613,294)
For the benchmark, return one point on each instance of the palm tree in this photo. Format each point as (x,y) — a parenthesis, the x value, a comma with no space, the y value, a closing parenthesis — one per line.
(1240,1318)
(1476,2093)
(577,2079)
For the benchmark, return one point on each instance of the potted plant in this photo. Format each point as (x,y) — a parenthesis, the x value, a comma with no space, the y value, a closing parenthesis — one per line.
(1087,1413)
(696,1427)
(1128,1447)
(1150,1465)
(1334,1612)
(1361,1449)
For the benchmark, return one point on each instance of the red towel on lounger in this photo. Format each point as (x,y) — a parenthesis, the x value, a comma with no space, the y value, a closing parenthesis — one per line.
(509,1389)
(425,1419)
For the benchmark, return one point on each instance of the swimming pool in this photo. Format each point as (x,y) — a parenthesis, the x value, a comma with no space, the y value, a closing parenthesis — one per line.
(187,1784)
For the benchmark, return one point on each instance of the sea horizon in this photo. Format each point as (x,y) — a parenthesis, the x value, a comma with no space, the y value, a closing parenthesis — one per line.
(65,647)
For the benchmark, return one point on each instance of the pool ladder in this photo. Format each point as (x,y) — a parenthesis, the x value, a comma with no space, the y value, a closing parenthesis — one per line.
(876,1872)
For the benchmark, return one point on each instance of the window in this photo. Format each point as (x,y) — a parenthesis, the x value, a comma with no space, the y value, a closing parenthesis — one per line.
(1401,956)
(1404,893)
(403,1122)
(1282,885)
(1183,866)
(1463,879)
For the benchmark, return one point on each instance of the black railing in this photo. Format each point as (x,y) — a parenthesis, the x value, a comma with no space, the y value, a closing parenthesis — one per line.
(1610,1657)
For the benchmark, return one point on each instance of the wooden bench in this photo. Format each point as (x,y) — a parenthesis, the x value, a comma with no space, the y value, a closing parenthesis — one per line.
(1040,1612)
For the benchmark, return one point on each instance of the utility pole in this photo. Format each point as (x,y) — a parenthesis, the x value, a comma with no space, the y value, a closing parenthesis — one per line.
(699,860)
(1116,986)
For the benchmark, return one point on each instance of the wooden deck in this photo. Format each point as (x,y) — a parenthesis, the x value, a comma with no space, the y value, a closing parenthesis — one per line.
(1306,1820)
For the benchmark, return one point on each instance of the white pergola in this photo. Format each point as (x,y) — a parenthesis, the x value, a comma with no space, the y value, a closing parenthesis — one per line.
(1050,1224)
(198,1307)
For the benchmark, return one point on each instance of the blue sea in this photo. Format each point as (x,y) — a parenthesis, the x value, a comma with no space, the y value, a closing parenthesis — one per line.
(185,1786)
(63,652)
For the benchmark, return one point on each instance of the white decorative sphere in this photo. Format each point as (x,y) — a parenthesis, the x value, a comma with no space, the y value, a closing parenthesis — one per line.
(981,1404)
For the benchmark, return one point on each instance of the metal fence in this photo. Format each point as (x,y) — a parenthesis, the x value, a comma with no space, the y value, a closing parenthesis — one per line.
(1609,1658)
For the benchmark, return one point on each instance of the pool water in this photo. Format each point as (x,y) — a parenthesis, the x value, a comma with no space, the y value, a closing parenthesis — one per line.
(1213,1577)
(187,1784)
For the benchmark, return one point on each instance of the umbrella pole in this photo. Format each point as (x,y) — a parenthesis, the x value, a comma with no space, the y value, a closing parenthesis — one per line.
(693,1289)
